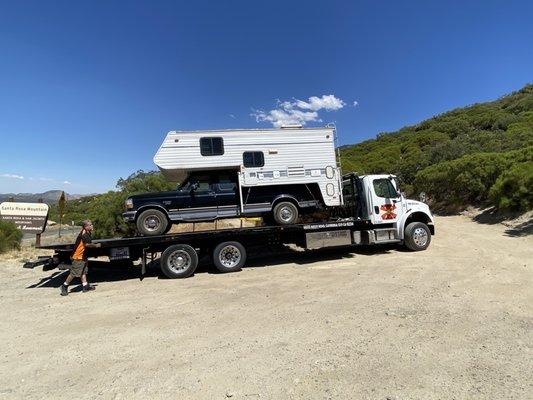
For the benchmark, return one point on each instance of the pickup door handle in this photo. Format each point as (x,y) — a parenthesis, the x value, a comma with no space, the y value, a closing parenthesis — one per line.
(376,209)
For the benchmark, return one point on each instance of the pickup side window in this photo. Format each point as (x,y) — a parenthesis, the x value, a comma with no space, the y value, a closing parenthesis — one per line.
(383,188)
(211,146)
(227,186)
(252,159)
(202,182)
(226,183)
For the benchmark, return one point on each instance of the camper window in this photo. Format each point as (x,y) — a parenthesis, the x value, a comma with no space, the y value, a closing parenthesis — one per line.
(211,146)
(252,159)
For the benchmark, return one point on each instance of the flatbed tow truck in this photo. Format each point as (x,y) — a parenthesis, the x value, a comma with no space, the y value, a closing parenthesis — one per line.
(374,212)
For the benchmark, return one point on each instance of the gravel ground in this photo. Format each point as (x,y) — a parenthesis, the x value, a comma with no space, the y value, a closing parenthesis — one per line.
(453,322)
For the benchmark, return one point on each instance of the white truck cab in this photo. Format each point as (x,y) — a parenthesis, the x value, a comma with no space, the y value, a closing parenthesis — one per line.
(379,200)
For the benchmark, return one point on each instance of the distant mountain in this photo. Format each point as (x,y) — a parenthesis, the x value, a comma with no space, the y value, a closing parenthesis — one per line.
(49,197)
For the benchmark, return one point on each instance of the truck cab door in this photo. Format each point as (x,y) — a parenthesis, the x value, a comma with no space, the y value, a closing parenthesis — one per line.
(386,204)
(227,196)
(202,204)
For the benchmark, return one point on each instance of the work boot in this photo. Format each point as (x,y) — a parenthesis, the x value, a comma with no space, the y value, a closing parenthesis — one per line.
(87,288)
(64,290)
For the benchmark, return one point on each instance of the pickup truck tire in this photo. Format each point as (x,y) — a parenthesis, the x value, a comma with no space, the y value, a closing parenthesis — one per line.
(179,261)
(285,213)
(229,256)
(417,236)
(152,222)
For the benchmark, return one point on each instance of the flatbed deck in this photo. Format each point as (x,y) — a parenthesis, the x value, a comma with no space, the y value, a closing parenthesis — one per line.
(179,252)
(214,233)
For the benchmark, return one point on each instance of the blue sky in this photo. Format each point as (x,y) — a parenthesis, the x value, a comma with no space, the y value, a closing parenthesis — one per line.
(89,89)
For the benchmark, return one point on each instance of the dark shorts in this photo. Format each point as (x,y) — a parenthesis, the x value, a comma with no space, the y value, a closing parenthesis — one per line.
(78,268)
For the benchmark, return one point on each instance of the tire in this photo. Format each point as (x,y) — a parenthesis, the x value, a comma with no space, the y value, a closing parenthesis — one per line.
(285,213)
(417,236)
(152,222)
(179,261)
(229,256)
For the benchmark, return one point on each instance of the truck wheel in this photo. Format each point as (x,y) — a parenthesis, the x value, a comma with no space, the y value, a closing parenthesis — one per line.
(179,261)
(229,256)
(417,236)
(152,223)
(285,213)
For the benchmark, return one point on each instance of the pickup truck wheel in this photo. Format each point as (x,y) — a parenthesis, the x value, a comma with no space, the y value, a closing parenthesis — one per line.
(285,213)
(152,223)
(417,236)
(229,256)
(179,261)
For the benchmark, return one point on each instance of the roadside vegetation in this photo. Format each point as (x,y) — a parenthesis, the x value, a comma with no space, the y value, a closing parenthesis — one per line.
(105,210)
(479,155)
(10,236)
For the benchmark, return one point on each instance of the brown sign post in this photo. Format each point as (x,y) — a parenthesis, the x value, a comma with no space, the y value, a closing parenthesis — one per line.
(28,217)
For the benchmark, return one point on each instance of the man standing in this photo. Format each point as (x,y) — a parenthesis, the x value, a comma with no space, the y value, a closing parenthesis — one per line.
(79,259)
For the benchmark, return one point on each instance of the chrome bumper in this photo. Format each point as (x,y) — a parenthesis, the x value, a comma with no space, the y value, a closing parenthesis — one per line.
(129,216)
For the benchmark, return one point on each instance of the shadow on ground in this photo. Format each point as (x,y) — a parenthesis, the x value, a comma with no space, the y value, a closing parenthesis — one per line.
(100,271)
(491,216)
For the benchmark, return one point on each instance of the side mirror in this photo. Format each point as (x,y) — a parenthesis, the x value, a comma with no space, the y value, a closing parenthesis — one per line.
(194,186)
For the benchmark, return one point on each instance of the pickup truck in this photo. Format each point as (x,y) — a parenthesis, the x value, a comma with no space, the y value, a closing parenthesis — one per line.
(206,196)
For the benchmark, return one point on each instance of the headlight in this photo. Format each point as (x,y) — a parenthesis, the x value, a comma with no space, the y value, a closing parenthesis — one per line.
(129,203)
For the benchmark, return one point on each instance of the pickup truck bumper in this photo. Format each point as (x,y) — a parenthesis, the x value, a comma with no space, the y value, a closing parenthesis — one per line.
(129,216)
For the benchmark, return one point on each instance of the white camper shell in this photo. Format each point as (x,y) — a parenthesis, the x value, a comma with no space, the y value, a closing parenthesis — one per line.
(262,157)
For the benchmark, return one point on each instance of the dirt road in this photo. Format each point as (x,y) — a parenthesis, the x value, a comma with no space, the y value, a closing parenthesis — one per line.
(453,322)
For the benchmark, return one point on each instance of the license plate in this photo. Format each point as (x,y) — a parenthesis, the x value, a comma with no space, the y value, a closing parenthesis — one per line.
(119,253)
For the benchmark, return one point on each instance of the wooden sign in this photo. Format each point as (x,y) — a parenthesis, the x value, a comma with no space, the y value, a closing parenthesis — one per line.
(29,217)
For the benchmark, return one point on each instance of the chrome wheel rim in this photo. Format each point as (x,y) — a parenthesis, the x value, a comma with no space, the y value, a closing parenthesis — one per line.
(152,223)
(420,237)
(230,256)
(179,261)
(286,214)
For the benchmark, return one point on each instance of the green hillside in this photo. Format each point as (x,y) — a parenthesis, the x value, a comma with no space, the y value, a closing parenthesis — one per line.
(476,155)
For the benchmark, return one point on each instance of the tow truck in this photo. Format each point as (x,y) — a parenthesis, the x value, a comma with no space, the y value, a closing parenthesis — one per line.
(375,212)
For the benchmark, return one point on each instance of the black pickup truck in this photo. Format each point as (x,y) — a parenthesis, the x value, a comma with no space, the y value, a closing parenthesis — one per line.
(207,196)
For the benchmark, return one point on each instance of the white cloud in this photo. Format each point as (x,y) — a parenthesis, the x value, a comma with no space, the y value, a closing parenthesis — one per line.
(232,116)
(12,176)
(298,112)
(355,103)
(30,178)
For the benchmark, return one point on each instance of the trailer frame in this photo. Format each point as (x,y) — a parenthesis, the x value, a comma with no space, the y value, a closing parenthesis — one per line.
(310,236)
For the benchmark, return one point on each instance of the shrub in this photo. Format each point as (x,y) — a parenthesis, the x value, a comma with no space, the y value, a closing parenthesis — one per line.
(513,190)
(468,179)
(10,236)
